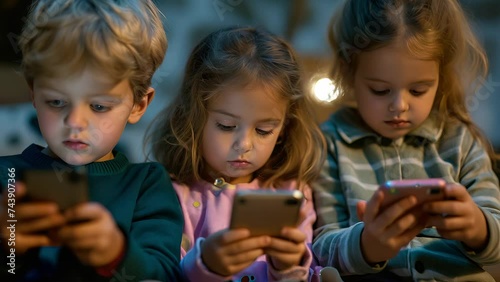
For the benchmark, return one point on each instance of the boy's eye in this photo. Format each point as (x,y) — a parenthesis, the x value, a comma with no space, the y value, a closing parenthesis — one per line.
(225,127)
(99,108)
(56,103)
(380,92)
(263,132)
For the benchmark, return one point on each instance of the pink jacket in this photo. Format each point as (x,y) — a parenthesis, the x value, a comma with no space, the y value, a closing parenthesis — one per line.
(207,209)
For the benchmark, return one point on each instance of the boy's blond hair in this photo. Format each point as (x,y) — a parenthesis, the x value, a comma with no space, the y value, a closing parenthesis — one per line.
(123,38)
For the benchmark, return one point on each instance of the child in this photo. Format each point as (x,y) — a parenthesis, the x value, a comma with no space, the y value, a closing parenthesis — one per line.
(89,65)
(407,65)
(240,122)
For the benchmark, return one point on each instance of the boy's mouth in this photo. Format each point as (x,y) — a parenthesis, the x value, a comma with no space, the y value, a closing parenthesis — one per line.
(75,144)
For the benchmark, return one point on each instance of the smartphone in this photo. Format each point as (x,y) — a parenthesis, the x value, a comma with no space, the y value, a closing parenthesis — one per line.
(424,190)
(64,187)
(266,212)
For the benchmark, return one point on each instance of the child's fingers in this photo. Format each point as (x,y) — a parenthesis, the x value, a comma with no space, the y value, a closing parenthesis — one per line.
(410,233)
(456,202)
(247,245)
(25,242)
(373,206)
(283,246)
(232,265)
(85,212)
(457,192)
(36,240)
(79,231)
(397,210)
(81,243)
(228,236)
(245,256)
(360,209)
(448,223)
(31,210)
(293,234)
(392,221)
(42,224)
(227,259)
(20,189)
(403,224)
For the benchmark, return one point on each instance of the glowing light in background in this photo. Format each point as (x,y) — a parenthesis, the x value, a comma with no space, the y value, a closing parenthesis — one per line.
(325,91)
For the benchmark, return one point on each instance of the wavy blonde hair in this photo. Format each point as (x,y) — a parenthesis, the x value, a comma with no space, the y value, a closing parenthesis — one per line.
(243,56)
(124,38)
(432,29)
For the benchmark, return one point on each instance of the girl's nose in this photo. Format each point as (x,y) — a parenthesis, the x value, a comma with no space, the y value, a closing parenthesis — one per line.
(399,103)
(244,143)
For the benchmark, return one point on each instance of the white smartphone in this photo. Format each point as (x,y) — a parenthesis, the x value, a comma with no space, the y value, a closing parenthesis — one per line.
(424,190)
(266,212)
(66,188)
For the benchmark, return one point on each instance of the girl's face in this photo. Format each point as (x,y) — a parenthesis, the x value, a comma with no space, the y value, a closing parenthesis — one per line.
(82,116)
(241,131)
(394,90)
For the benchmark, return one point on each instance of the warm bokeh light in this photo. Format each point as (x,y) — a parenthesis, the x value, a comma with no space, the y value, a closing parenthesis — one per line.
(325,91)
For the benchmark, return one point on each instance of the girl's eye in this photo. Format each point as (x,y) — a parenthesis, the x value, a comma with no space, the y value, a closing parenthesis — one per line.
(56,103)
(417,92)
(263,132)
(225,127)
(380,92)
(99,108)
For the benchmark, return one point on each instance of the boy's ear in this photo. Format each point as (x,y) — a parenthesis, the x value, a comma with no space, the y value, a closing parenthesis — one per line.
(140,108)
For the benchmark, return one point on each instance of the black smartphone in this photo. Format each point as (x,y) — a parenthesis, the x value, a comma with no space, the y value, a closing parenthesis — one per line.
(266,212)
(64,187)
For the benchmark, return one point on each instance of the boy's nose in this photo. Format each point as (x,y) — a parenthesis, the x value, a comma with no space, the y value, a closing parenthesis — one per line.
(75,119)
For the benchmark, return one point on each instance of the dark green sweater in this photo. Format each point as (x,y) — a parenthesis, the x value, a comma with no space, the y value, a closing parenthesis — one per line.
(144,205)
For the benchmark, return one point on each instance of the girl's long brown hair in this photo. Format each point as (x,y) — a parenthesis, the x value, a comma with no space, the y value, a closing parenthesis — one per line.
(239,55)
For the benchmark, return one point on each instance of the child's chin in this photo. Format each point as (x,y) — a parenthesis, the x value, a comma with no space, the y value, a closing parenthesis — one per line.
(77,160)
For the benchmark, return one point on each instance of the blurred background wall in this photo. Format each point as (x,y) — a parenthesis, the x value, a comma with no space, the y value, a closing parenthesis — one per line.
(302,22)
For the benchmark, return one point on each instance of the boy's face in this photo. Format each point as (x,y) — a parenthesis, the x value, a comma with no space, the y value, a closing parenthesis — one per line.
(394,90)
(241,131)
(82,116)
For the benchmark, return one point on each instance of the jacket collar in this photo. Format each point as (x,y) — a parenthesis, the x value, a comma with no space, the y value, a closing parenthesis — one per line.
(351,127)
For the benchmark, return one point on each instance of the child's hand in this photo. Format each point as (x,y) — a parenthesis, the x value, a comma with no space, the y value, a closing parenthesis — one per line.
(360,209)
(459,218)
(387,231)
(35,220)
(287,251)
(92,234)
(228,252)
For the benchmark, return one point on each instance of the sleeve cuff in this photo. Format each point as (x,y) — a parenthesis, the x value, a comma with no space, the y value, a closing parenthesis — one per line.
(107,270)
(357,260)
